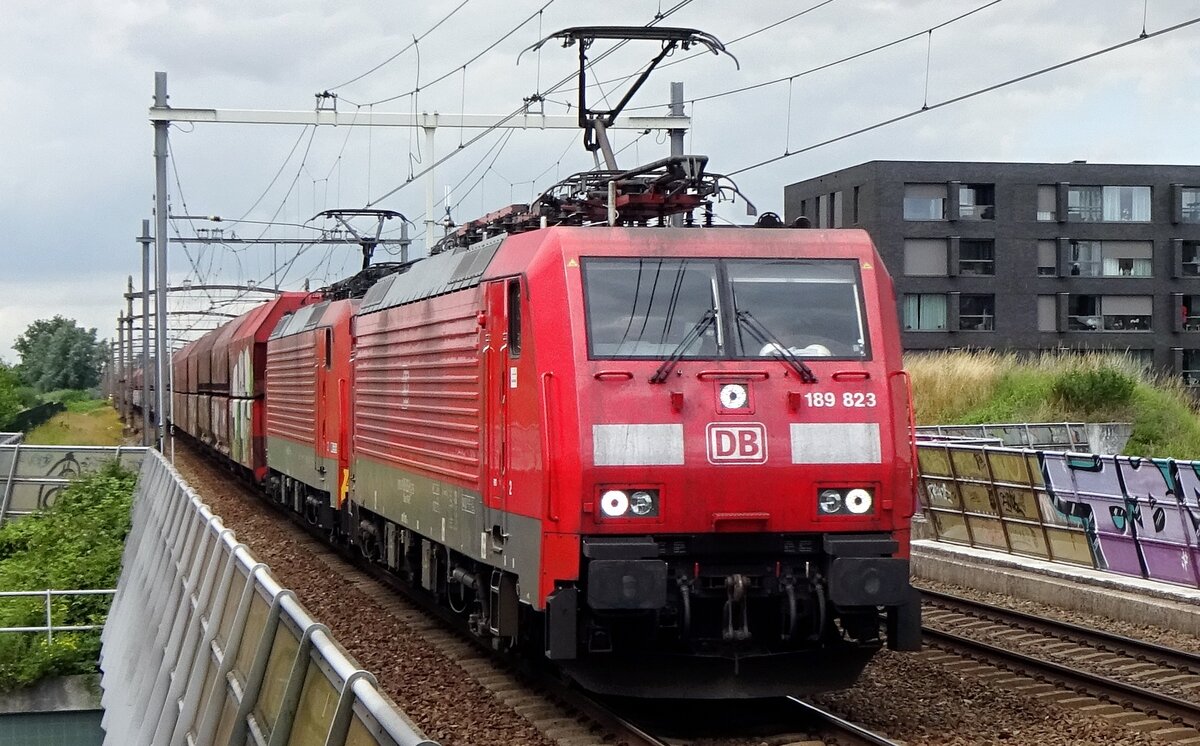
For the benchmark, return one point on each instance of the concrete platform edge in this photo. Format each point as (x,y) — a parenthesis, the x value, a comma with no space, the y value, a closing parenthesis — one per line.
(1130,600)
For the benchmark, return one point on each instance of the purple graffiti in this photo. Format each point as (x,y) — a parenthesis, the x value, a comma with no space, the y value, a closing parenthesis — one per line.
(1141,516)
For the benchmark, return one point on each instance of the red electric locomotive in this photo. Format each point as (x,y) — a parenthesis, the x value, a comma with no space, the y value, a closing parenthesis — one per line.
(678,459)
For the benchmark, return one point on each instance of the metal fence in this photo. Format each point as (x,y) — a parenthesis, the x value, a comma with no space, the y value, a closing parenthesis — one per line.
(32,476)
(8,439)
(1105,437)
(1128,515)
(48,596)
(203,646)
(1065,436)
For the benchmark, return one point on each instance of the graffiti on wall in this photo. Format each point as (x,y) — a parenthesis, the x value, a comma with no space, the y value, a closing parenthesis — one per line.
(1123,514)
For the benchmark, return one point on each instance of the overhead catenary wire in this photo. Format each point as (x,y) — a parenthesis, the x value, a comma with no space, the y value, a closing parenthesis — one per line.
(828,65)
(274,178)
(705,53)
(970,95)
(395,56)
(472,60)
(516,112)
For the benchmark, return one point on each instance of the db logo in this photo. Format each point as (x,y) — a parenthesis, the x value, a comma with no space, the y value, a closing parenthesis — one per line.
(737,444)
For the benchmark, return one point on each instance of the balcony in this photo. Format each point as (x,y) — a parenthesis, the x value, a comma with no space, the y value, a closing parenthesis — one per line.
(976,212)
(981,322)
(1110,323)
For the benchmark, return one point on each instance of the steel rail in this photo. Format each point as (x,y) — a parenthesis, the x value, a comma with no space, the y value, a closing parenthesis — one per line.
(845,727)
(1180,660)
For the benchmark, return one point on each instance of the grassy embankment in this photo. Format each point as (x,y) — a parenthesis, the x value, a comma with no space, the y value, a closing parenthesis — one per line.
(971,388)
(86,422)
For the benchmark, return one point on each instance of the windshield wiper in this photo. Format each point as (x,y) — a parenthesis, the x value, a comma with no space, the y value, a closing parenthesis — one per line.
(764,336)
(664,370)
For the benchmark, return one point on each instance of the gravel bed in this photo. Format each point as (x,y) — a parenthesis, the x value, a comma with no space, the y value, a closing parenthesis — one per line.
(917,701)
(432,689)
(1147,632)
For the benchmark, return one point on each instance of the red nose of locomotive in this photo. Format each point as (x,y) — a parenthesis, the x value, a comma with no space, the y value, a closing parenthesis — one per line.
(746,468)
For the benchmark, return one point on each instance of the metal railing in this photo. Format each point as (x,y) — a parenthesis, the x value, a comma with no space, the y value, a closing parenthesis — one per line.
(203,646)
(8,439)
(49,595)
(1067,436)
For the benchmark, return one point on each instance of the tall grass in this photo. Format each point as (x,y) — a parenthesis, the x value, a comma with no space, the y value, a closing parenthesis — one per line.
(977,387)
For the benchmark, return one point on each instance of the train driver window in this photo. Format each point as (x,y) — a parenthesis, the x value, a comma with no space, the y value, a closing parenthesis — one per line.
(811,307)
(652,307)
(514,318)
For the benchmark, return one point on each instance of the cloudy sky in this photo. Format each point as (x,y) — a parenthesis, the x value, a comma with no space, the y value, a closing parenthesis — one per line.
(76,78)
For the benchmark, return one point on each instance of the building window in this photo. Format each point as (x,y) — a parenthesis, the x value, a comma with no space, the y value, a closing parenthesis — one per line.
(856,205)
(1190,313)
(1191,258)
(1047,308)
(835,210)
(924,201)
(1108,204)
(1143,358)
(925,312)
(977,202)
(976,256)
(1047,252)
(925,257)
(1191,205)
(1112,258)
(1191,367)
(1047,204)
(977,312)
(1110,313)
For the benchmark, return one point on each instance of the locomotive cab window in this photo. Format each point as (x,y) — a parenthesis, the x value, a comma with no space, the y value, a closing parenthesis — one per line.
(812,308)
(689,308)
(652,307)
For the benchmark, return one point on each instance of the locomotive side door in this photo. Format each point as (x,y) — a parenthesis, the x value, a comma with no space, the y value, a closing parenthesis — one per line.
(323,363)
(496,386)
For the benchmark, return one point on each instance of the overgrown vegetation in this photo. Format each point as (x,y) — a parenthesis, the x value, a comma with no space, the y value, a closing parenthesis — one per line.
(75,544)
(972,388)
(89,423)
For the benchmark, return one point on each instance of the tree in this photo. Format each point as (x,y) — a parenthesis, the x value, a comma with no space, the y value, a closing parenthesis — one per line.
(57,353)
(10,400)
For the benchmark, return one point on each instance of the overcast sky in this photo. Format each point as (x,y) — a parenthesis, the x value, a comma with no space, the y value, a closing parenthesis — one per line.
(76,78)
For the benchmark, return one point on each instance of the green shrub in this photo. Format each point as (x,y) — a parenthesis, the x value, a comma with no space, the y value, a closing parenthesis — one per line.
(76,544)
(1090,390)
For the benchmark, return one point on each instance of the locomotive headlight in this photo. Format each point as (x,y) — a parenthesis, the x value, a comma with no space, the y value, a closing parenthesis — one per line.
(614,503)
(859,501)
(829,501)
(643,503)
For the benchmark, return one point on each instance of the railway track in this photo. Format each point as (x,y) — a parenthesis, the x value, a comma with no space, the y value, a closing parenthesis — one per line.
(843,731)
(1140,685)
